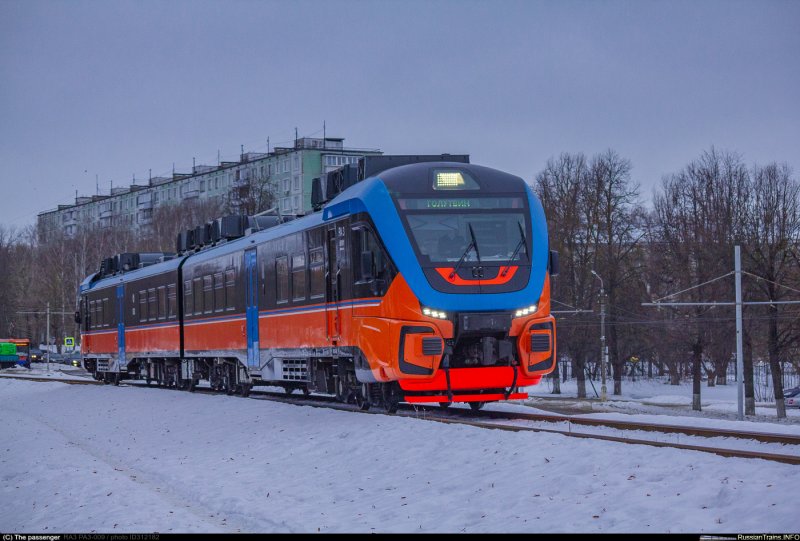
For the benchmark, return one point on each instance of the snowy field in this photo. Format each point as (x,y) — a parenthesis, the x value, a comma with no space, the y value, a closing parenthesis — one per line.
(131,459)
(56,371)
(657,397)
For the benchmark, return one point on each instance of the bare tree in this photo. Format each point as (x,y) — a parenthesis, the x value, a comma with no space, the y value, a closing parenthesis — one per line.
(251,195)
(620,227)
(772,233)
(695,225)
(562,189)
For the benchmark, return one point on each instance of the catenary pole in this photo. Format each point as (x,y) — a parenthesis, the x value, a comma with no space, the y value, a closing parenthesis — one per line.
(739,356)
(48,337)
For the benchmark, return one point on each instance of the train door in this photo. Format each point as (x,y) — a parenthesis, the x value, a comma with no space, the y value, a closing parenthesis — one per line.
(251,307)
(333,285)
(121,327)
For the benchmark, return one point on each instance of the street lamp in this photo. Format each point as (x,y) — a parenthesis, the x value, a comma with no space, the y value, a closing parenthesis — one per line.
(603,348)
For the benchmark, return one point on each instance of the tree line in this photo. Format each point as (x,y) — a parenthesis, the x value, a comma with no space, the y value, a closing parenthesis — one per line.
(37,268)
(680,247)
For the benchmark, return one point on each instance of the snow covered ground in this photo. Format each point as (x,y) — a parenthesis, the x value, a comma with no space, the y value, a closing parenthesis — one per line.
(98,458)
(56,371)
(657,397)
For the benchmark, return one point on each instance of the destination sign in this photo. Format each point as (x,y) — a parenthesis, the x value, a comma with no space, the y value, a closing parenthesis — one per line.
(462,203)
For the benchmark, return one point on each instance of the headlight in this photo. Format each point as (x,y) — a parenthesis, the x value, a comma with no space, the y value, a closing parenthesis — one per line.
(526,311)
(434,313)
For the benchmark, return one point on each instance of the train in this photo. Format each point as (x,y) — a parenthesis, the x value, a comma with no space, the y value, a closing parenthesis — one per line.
(418,279)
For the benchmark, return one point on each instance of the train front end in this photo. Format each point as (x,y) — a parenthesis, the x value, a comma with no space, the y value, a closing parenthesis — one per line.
(473,291)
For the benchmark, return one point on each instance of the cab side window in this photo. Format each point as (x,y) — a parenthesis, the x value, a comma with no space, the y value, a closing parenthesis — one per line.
(370,262)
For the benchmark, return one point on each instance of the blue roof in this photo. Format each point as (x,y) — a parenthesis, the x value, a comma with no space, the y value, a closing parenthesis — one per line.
(372,196)
(150,270)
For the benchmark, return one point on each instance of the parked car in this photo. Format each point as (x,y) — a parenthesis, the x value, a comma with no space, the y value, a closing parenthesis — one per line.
(792,397)
(54,357)
(73,359)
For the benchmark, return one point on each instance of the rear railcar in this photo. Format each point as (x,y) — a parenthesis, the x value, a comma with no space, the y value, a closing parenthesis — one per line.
(130,321)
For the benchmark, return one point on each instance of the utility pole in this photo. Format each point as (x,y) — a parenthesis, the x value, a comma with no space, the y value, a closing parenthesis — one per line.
(739,357)
(47,312)
(48,337)
(737,272)
(603,348)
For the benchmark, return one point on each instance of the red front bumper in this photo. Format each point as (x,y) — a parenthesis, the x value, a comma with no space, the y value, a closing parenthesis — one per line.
(480,384)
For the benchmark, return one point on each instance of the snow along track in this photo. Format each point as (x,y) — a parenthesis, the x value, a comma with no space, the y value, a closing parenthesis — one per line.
(500,421)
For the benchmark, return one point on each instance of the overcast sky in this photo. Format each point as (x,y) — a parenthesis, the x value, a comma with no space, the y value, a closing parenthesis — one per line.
(113,89)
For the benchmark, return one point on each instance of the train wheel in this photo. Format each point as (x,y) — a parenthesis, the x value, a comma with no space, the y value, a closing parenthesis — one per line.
(117,377)
(230,386)
(340,392)
(362,397)
(191,386)
(391,396)
(306,391)
(244,389)
(476,406)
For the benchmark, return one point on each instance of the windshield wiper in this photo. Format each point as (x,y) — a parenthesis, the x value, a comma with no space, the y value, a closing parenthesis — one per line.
(520,244)
(472,245)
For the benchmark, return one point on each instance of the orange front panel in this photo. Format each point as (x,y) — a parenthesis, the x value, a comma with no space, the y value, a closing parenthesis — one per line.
(536,362)
(379,341)
(160,338)
(412,352)
(215,335)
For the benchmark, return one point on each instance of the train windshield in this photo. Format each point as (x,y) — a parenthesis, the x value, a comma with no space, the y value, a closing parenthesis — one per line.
(485,229)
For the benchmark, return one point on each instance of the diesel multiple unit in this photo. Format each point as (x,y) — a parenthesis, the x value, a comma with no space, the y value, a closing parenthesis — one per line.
(423,282)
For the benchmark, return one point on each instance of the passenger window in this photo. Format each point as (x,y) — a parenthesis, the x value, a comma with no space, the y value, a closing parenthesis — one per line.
(152,304)
(208,294)
(106,314)
(197,295)
(230,289)
(142,306)
(162,303)
(171,301)
(219,293)
(187,297)
(91,314)
(317,273)
(282,279)
(299,277)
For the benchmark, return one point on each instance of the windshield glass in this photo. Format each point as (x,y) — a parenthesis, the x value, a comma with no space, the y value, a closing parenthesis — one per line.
(445,237)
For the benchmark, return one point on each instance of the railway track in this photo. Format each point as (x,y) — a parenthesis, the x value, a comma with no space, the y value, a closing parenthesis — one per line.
(495,420)
(59,380)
